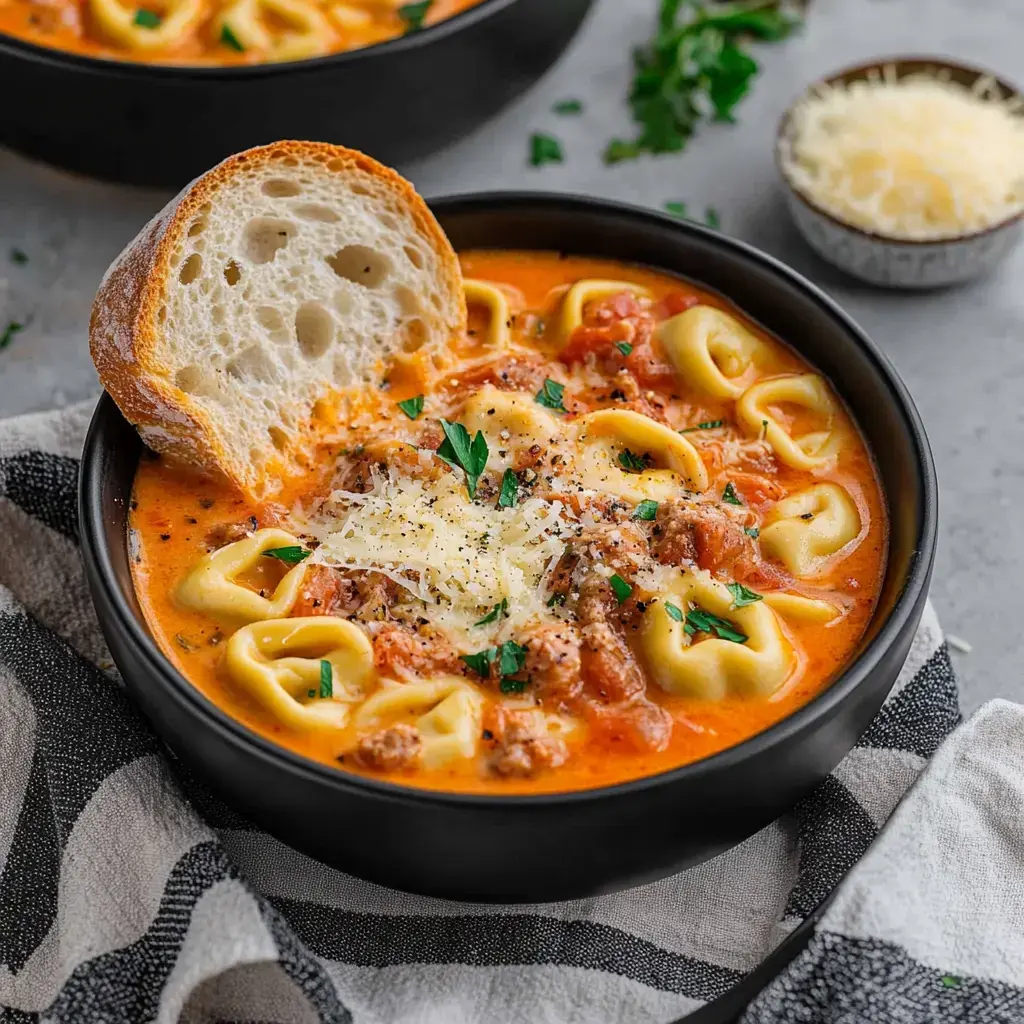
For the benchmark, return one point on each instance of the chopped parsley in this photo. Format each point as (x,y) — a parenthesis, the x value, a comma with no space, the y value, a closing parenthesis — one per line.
(461,453)
(950,981)
(624,347)
(752,531)
(741,596)
(481,662)
(730,495)
(700,621)
(512,685)
(18,257)
(706,425)
(412,407)
(413,14)
(711,218)
(673,611)
(229,39)
(633,463)
(568,107)
(291,555)
(676,208)
(620,588)
(494,614)
(556,599)
(147,19)
(510,656)
(550,395)
(646,510)
(509,489)
(694,67)
(8,333)
(544,149)
(326,679)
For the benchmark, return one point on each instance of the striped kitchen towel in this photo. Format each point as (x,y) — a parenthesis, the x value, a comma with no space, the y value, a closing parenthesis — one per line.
(127,894)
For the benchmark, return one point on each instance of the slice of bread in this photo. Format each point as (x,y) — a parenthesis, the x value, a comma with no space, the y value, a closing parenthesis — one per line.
(282,277)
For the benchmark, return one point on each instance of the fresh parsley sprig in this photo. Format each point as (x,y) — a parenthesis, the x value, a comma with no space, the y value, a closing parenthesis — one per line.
(550,395)
(291,554)
(461,452)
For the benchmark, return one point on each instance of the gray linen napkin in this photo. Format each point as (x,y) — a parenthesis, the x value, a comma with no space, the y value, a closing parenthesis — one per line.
(127,894)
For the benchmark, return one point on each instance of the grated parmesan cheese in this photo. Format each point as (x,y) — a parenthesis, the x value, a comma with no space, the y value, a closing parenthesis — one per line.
(917,158)
(457,556)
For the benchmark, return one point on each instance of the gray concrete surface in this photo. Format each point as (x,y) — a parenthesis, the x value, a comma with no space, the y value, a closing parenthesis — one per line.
(961,352)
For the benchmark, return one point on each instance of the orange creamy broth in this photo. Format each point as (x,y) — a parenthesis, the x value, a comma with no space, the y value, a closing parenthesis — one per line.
(175,510)
(78,26)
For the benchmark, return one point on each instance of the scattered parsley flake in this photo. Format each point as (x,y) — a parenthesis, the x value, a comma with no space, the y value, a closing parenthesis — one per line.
(493,615)
(292,554)
(512,685)
(229,39)
(701,621)
(481,662)
(544,149)
(147,19)
(741,596)
(730,495)
(624,347)
(950,981)
(414,14)
(9,332)
(620,588)
(646,510)
(19,257)
(511,658)
(752,531)
(556,599)
(676,208)
(326,679)
(509,489)
(633,463)
(711,218)
(706,425)
(550,395)
(311,693)
(412,407)
(673,612)
(564,107)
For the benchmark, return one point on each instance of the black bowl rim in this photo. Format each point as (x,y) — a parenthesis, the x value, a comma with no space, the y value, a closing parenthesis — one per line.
(787,730)
(215,72)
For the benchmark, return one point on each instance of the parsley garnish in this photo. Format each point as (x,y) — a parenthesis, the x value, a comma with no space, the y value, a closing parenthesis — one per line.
(556,599)
(711,218)
(700,621)
(624,347)
(326,679)
(752,531)
(18,257)
(311,693)
(494,613)
(730,495)
(229,39)
(676,208)
(412,407)
(147,19)
(633,463)
(461,453)
(9,332)
(620,588)
(950,981)
(673,612)
(413,14)
(646,510)
(568,107)
(693,67)
(706,425)
(292,554)
(509,489)
(512,685)
(550,395)
(544,149)
(510,656)
(741,596)
(480,662)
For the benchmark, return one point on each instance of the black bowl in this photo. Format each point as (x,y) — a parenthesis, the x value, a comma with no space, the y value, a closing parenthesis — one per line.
(150,124)
(559,846)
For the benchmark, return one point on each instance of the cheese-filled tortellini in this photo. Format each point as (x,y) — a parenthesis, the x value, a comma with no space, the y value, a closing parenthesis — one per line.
(801,609)
(211,586)
(493,299)
(446,711)
(570,315)
(810,451)
(810,526)
(755,662)
(711,350)
(510,420)
(280,29)
(281,663)
(119,22)
(630,455)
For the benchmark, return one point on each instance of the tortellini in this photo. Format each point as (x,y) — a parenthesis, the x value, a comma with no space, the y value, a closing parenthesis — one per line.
(509,420)
(801,609)
(711,350)
(811,451)
(810,526)
(446,711)
(570,316)
(178,19)
(211,585)
(714,668)
(279,663)
(630,455)
(483,293)
(305,30)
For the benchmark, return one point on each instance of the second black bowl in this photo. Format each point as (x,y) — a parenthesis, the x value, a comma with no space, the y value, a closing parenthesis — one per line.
(563,845)
(154,124)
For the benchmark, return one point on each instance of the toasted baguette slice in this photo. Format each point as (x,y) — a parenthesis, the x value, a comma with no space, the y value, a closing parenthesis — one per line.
(282,277)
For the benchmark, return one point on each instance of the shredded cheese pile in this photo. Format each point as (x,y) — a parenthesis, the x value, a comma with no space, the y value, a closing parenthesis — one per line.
(460,557)
(917,158)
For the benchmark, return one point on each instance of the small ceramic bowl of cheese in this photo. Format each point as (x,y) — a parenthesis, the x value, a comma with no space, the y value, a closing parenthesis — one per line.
(907,172)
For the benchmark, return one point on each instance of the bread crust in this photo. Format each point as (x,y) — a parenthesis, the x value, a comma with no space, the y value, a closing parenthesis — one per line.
(124,325)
